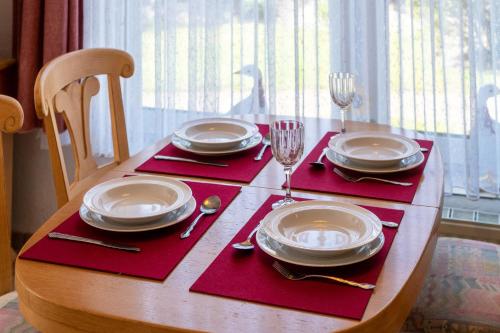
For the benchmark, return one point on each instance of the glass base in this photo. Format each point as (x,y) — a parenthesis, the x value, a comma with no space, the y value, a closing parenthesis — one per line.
(282,202)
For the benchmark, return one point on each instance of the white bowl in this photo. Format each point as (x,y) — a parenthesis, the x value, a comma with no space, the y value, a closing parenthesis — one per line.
(216,133)
(174,217)
(322,227)
(137,199)
(286,254)
(405,164)
(373,148)
(242,146)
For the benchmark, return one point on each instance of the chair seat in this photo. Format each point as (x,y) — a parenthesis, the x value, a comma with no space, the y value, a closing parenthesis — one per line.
(461,294)
(11,319)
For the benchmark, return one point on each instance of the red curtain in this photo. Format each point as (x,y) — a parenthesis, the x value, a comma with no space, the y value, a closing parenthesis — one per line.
(44,30)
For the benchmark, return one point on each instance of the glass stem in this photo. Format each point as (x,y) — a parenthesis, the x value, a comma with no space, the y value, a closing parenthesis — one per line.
(288,175)
(342,120)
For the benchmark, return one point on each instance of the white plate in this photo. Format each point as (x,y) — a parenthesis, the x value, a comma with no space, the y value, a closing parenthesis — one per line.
(322,228)
(137,199)
(243,145)
(216,133)
(286,254)
(373,148)
(98,221)
(403,165)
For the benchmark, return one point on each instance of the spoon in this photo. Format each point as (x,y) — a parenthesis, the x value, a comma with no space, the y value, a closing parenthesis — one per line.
(247,243)
(209,206)
(266,141)
(318,164)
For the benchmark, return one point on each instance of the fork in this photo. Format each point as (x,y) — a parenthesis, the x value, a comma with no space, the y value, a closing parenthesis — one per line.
(301,276)
(355,180)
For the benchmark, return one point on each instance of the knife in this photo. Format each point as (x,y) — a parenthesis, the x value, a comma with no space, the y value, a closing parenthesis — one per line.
(58,235)
(181,159)
(390,224)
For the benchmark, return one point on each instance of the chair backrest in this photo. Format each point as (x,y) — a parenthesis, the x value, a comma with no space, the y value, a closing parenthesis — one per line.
(11,120)
(65,86)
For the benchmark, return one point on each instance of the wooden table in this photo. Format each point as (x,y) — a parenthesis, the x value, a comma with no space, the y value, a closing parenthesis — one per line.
(58,298)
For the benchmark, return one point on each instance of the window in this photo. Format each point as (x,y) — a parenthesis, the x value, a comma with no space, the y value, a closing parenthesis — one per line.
(427,65)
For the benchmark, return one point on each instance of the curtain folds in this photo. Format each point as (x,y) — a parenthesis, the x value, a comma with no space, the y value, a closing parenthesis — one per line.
(445,58)
(426,65)
(44,30)
(199,58)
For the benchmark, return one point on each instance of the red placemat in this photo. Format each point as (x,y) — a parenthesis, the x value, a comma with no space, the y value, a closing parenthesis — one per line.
(325,180)
(242,166)
(249,276)
(161,250)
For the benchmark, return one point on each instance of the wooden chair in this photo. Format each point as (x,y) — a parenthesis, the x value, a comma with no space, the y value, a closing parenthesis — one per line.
(65,86)
(11,120)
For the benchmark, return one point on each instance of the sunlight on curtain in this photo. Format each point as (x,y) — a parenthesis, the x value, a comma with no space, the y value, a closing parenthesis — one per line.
(425,65)
(444,57)
(197,58)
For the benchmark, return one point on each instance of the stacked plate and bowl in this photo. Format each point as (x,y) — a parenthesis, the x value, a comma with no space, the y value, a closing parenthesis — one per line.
(320,234)
(374,152)
(138,203)
(216,136)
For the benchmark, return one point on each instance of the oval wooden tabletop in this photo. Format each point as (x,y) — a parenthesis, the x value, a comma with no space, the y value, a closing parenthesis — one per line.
(57,298)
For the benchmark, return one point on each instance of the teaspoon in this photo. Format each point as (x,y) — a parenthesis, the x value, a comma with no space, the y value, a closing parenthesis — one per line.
(247,243)
(209,206)
(266,141)
(318,164)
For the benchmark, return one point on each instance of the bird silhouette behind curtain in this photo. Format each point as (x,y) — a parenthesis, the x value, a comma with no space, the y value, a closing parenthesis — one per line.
(255,102)
(488,129)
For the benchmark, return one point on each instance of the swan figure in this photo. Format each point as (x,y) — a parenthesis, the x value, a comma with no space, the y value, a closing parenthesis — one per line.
(256,101)
(488,128)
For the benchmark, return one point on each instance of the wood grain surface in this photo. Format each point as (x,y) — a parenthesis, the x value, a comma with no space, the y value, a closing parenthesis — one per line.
(11,120)
(64,299)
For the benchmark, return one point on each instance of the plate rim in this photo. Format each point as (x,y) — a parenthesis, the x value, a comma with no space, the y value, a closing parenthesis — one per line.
(180,186)
(387,169)
(266,224)
(250,145)
(324,261)
(154,225)
(252,129)
(335,142)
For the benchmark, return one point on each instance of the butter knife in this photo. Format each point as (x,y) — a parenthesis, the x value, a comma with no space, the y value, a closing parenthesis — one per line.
(390,224)
(58,235)
(182,159)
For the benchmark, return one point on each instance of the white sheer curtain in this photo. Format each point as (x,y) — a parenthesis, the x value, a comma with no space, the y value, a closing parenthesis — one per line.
(426,65)
(445,57)
(197,58)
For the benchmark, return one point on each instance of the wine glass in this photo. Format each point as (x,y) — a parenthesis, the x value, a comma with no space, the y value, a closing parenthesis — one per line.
(342,93)
(287,144)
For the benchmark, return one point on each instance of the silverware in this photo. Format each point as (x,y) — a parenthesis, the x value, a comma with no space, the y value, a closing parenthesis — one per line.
(247,243)
(318,164)
(58,235)
(390,224)
(266,141)
(355,180)
(181,159)
(300,276)
(209,206)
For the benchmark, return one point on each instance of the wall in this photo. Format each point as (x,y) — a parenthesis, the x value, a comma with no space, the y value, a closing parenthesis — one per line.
(33,189)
